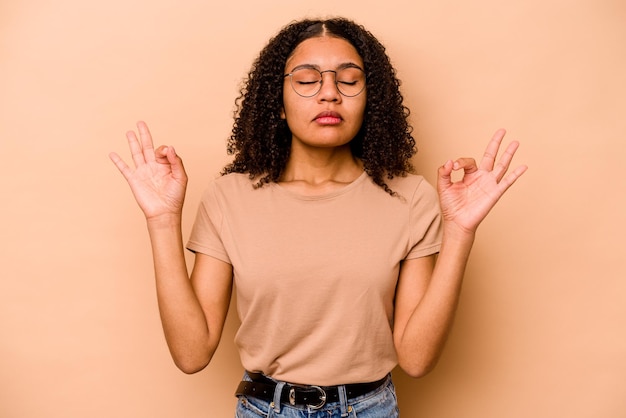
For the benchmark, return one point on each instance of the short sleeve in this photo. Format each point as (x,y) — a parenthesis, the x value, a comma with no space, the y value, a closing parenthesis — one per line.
(205,235)
(425,222)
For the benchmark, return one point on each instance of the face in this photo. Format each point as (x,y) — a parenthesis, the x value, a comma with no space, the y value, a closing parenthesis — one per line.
(327,119)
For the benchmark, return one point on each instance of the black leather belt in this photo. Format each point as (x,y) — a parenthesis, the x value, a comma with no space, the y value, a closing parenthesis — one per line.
(314,397)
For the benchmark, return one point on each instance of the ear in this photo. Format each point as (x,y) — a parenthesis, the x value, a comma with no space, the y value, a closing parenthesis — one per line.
(282,113)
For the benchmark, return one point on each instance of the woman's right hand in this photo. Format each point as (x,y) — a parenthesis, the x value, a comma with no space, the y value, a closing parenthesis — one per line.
(158,180)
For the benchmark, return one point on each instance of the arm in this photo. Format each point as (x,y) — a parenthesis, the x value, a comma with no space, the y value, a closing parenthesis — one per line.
(428,288)
(192,311)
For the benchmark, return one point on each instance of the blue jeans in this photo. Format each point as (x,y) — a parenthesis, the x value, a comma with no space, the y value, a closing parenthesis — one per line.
(380,403)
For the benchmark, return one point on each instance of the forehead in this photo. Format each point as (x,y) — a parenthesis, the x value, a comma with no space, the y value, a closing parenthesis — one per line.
(325,52)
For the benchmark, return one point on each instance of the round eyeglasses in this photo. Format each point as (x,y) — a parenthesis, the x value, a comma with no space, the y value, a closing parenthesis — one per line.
(307,81)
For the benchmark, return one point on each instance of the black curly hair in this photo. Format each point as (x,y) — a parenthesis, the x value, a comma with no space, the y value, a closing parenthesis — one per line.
(261,140)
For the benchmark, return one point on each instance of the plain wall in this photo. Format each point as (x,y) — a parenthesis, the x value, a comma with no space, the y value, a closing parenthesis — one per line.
(541,328)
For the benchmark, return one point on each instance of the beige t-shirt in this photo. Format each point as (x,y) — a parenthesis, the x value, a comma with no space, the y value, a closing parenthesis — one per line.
(315,277)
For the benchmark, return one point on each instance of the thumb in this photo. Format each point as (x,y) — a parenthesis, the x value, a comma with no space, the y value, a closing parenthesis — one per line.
(176,163)
(444,175)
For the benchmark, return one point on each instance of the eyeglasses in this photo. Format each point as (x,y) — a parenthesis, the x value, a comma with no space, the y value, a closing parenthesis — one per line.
(307,81)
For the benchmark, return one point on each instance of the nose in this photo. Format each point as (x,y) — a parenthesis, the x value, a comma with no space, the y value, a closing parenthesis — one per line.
(328,90)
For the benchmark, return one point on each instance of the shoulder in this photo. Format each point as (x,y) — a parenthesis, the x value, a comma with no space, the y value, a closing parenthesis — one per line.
(229,183)
(226,187)
(232,179)
(411,186)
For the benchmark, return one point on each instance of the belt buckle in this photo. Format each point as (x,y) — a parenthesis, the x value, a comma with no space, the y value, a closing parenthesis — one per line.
(322,396)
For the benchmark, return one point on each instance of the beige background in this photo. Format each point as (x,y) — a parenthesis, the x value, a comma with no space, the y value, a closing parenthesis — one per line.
(541,326)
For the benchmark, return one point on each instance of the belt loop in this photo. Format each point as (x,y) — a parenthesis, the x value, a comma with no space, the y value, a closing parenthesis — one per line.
(343,400)
(278,391)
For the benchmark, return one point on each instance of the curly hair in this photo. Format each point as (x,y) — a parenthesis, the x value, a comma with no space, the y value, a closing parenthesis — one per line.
(261,140)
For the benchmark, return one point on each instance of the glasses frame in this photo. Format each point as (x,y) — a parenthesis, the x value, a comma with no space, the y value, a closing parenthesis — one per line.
(321,82)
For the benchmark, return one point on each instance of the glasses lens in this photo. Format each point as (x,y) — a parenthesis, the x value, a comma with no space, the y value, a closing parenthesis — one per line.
(308,81)
(350,81)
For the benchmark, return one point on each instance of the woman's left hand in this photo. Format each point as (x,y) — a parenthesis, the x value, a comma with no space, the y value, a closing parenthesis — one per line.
(468,201)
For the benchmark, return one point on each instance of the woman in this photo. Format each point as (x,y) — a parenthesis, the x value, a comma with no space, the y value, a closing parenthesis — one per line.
(345,263)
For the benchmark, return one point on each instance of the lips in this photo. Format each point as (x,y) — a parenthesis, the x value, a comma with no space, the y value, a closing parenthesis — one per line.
(328,118)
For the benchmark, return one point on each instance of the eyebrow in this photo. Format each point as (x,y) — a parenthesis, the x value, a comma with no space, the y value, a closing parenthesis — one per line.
(317,67)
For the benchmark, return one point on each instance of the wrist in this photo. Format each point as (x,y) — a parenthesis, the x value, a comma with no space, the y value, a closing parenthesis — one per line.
(453,232)
(166,220)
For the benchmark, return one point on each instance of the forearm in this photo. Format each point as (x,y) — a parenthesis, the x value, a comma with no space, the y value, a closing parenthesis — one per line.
(184,323)
(426,330)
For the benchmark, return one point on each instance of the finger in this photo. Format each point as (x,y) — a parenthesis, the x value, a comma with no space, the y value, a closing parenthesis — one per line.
(161,154)
(166,154)
(468,165)
(505,161)
(444,177)
(146,141)
(176,164)
(136,150)
(489,157)
(120,164)
(511,178)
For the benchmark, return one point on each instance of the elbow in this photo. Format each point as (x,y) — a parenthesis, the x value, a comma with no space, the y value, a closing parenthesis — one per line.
(418,370)
(417,360)
(191,358)
(417,366)
(190,367)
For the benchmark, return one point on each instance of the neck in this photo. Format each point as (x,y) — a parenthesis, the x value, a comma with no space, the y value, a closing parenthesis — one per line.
(321,169)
